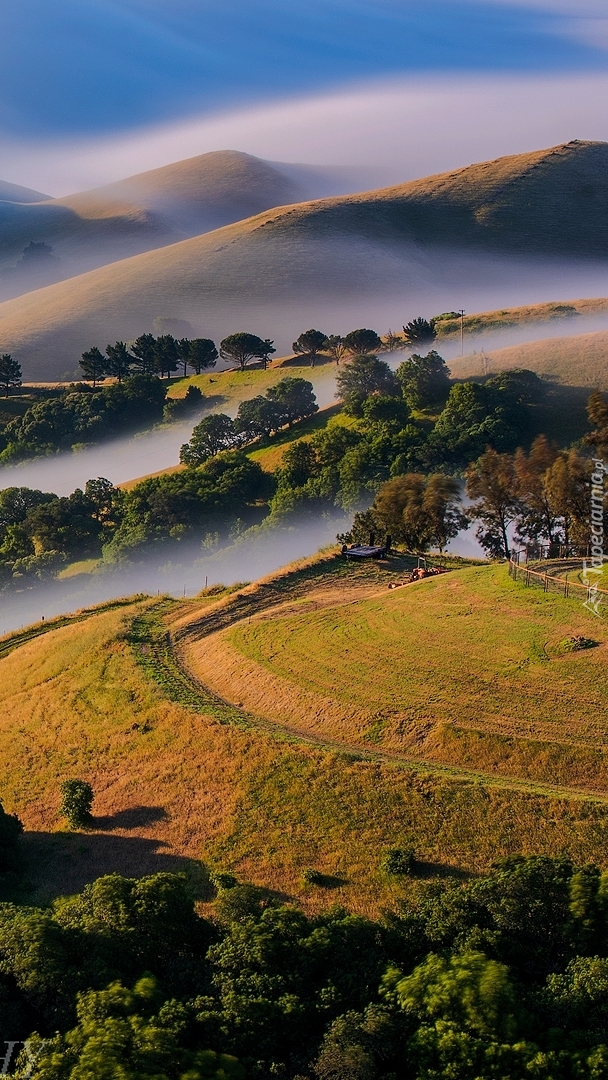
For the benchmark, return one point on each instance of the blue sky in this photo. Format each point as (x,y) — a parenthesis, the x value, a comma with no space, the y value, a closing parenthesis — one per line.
(71,68)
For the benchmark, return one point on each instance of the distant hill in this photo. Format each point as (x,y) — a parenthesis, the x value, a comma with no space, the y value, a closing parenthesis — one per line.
(496,225)
(145,211)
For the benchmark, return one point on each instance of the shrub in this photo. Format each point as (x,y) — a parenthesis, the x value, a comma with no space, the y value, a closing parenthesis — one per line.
(312,877)
(399,861)
(76,802)
(224,881)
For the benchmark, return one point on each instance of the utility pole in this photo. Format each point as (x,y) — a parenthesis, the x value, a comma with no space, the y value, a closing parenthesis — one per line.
(461,313)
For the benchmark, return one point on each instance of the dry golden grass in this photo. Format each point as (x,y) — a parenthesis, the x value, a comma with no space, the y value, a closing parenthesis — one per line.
(574,361)
(176,785)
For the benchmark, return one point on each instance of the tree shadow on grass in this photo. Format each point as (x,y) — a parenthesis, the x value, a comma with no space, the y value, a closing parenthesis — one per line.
(61,864)
(135,817)
(422,869)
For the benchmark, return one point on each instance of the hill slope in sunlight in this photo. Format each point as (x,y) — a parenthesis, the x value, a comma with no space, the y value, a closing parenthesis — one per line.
(501,225)
(369,719)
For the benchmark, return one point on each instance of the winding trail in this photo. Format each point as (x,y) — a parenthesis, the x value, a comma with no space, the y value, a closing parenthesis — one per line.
(161,637)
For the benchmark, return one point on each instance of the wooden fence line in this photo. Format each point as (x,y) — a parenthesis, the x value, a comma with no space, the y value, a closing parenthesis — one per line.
(549,583)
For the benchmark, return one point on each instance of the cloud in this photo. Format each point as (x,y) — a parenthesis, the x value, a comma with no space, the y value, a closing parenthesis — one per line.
(403,128)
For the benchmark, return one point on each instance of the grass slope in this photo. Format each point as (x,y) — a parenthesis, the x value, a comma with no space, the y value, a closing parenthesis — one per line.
(549,203)
(183,779)
(580,361)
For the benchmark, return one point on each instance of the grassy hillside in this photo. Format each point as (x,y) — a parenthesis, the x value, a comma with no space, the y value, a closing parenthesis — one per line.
(549,203)
(574,361)
(526,315)
(438,735)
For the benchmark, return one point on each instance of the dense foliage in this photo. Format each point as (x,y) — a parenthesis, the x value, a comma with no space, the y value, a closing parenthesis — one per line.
(81,415)
(500,976)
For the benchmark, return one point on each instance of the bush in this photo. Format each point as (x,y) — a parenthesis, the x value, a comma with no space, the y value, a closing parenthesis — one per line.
(76,802)
(399,861)
(312,877)
(224,881)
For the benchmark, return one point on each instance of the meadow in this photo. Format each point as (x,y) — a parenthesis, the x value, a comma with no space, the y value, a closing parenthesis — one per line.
(190,773)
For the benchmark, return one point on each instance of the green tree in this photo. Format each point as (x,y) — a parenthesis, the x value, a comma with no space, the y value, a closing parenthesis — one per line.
(361,342)
(257,417)
(419,332)
(419,511)
(242,348)
(119,360)
(93,365)
(167,354)
(335,347)
(310,344)
(425,380)
(597,412)
(214,434)
(10,373)
(294,399)
(492,483)
(364,375)
(145,354)
(202,353)
(76,802)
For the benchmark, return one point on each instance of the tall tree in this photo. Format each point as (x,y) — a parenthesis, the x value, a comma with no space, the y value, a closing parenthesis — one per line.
(597,411)
(539,517)
(419,332)
(335,347)
(10,373)
(214,434)
(294,398)
(420,511)
(167,355)
(203,354)
(360,342)
(425,380)
(146,357)
(492,483)
(242,348)
(363,376)
(310,344)
(93,364)
(119,360)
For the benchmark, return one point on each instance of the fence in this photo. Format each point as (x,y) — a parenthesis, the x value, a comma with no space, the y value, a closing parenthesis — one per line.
(551,583)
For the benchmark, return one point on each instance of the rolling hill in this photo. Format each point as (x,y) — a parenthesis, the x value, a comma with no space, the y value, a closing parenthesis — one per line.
(581,360)
(311,719)
(489,229)
(149,210)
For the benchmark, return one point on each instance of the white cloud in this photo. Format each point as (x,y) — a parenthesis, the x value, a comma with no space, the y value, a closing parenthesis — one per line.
(406,128)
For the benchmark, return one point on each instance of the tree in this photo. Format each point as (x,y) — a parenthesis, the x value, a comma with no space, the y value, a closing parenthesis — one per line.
(420,511)
(363,376)
(10,373)
(119,360)
(597,412)
(294,398)
(425,380)
(539,516)
(257,417)
(201,354)
(361,342)
(335,347)
(214,434)
(419,332)
(93,364)
(167,355)
(492,482)
(76,802)
(310,344)
(266,350)
(146,357)
(242,348)
(392,342)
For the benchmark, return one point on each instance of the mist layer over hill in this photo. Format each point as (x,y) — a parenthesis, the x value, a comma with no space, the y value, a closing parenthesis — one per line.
(518,230)
(96,227)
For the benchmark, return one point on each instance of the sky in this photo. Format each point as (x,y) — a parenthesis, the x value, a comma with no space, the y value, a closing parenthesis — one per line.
(90,89)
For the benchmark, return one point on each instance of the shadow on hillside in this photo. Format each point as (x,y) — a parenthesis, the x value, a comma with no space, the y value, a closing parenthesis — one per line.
(423,869)
(60,864)
(135,817)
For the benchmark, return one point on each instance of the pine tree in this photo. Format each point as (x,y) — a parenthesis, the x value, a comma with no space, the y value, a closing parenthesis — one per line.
(10,373)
